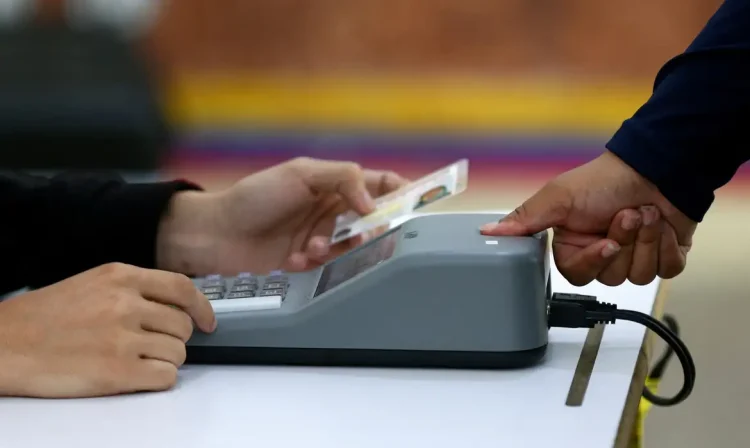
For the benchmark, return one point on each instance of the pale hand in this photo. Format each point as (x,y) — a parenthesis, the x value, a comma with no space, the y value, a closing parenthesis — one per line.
(110,330)
(278,218)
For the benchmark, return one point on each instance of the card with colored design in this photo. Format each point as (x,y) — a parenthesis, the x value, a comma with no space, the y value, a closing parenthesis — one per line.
(436,186)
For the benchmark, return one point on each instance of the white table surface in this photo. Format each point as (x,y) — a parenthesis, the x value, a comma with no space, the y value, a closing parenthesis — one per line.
(228,407)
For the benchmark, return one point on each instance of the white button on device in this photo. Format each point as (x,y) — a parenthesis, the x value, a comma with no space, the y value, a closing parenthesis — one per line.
(491,242)
(247,304)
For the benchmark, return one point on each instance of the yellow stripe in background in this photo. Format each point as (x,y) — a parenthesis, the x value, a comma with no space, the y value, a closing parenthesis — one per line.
(404,104)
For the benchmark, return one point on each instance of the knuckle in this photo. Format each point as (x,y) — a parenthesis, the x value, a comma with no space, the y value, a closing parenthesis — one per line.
(186,327)
(166,376)
(640,280)
(180,354)
(670,272)
(158,375)
(298,164)
(577,280)
(125,305)
(559,200)
(390,174)
(182,284)
(614,282)
(115,270)
(392,180)
(671,268)
(519,212)
(610,280)
(353,170)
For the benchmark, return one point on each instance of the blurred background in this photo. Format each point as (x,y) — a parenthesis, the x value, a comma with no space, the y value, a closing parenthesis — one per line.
(526,89)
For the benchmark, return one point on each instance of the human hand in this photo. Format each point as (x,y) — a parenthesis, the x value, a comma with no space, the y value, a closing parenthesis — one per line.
(279,218)
(110,330)
(609,224)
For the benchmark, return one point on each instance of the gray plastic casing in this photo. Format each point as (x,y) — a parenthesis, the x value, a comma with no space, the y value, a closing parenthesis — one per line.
(444,288)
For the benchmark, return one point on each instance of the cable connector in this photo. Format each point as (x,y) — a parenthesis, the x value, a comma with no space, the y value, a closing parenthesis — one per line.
(578,311)
(581,311)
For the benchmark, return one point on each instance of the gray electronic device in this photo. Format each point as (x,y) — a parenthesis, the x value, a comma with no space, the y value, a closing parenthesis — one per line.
(432,292)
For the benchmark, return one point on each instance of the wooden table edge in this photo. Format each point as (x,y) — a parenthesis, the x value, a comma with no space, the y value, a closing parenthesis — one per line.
(629,418)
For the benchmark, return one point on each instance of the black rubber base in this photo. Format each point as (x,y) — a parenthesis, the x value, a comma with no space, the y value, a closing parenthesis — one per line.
(363,358)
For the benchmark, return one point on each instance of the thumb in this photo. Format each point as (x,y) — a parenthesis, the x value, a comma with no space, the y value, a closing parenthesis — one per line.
(344,178)
(549,207)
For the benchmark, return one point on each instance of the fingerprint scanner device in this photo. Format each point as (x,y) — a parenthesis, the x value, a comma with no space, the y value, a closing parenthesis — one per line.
(431,292)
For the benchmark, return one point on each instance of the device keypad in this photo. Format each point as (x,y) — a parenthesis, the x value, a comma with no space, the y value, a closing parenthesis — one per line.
(213,290)
(213,283)
(240,295)
(245,291)
(272,292)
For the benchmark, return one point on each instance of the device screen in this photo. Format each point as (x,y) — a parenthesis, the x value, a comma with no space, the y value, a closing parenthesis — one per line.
(358,261)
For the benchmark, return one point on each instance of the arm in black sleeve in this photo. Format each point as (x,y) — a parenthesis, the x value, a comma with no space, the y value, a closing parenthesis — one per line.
(690,137)
(53,228)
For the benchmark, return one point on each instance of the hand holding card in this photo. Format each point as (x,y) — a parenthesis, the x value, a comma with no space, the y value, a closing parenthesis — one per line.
(441,184)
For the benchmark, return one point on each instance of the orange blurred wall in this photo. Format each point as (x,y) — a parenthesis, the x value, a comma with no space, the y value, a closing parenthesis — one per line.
(622,38)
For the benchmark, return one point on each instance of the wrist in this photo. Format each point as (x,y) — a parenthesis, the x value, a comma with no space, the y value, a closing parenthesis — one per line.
(19,368)
(187,236)
(653,194)
(666,170)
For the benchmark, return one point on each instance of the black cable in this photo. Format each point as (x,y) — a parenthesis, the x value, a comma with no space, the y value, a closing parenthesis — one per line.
(682,352)
(659,366)
(579,311)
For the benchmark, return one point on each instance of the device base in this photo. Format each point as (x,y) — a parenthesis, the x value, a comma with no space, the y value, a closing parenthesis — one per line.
(364,357)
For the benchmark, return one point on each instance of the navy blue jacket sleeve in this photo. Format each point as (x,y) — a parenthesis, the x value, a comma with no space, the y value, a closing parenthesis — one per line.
(690,137)
(53,228)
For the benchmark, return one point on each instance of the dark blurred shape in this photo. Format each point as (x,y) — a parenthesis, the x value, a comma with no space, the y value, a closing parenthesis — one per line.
(77,99)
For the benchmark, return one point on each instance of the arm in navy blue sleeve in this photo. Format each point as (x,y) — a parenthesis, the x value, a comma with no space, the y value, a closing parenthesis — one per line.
(53,228)
(691,136)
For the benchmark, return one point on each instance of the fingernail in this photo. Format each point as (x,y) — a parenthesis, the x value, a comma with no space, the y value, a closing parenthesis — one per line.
(631,221)
(502,226)
(610,249)
(214,325)
(489,227)
(649,214)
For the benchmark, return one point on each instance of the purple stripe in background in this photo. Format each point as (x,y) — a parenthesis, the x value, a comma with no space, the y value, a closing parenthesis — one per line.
(542,151)
(333,145)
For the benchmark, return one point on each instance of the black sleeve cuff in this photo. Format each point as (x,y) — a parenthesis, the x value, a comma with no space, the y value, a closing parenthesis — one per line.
(131,217)
(108,222)
(679,184)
